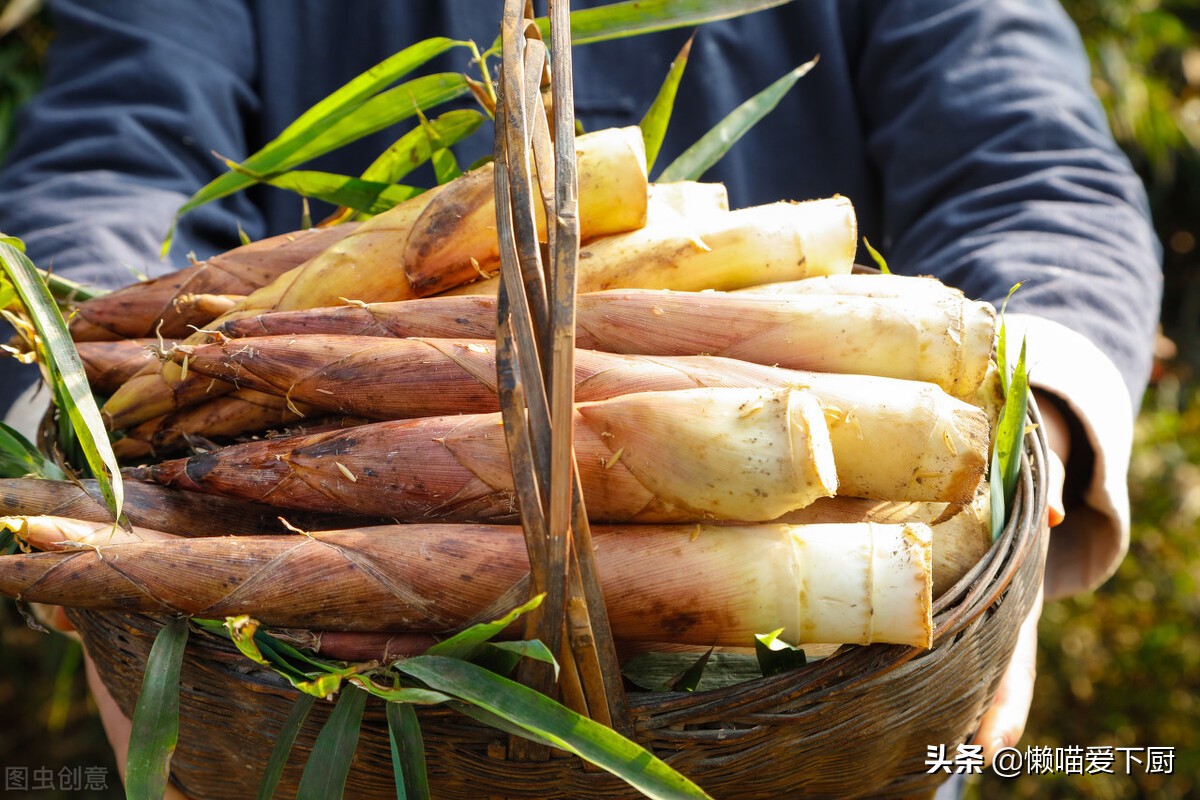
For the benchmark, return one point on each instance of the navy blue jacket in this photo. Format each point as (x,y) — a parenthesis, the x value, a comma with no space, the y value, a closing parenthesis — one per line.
(965,133)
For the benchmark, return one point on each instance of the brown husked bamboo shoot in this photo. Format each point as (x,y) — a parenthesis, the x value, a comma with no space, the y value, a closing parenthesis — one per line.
(721,250)
(706,585)
(696,454)
(109,364)
(150,506)
(937,444)
(858,335)
(135,311)
(948,343)
(367,266)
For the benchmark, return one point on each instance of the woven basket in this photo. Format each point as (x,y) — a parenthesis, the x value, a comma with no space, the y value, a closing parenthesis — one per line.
(856,724)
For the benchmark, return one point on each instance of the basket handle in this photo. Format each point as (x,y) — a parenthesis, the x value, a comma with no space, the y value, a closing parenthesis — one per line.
(535,365)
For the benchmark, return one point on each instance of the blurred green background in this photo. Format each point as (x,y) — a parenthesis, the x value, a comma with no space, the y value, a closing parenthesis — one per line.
(1119,667)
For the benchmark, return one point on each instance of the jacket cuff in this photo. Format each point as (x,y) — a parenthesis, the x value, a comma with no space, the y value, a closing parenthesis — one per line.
(1087,547)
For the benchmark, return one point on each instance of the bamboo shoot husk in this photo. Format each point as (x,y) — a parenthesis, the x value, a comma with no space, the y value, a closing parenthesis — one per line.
(694,455)
(365,266)
(703,585)
(150,506)
(719,250)
(135,311)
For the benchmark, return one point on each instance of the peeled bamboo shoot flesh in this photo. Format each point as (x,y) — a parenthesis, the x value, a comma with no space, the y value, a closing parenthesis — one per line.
(719,250)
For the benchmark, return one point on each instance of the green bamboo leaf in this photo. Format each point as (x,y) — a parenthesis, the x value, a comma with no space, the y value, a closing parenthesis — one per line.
(502,657)
(328,765)
(877,257)
(63,289)
(499,723)
(408,752)
(999,513)
(533,713)
(67,377)
(370,82)
(1002,342)
(445,166)
(370,197)
(700,157)
(415,147)
(347,124)
(635,17)
(1005,465)
(1012,427)
(283,746)
(8,293)
(18,458)
(269,652)
(410,695)
(776,655)
(658,116)
(464,644)
(156,716)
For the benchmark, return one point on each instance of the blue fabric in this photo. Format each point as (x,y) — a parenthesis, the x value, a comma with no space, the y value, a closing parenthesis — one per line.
(965,133)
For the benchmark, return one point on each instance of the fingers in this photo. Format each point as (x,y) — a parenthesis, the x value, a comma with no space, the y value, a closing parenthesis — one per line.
(1056,474)
(1004,722)
(1058,437)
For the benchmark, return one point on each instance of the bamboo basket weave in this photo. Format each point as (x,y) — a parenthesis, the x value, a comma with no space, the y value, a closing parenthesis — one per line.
(855,724)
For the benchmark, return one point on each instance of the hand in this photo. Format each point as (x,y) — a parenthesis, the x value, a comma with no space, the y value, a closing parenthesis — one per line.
(1004,722)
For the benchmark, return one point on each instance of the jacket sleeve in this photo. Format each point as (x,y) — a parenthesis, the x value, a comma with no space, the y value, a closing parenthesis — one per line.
(997,167)
(137,96)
